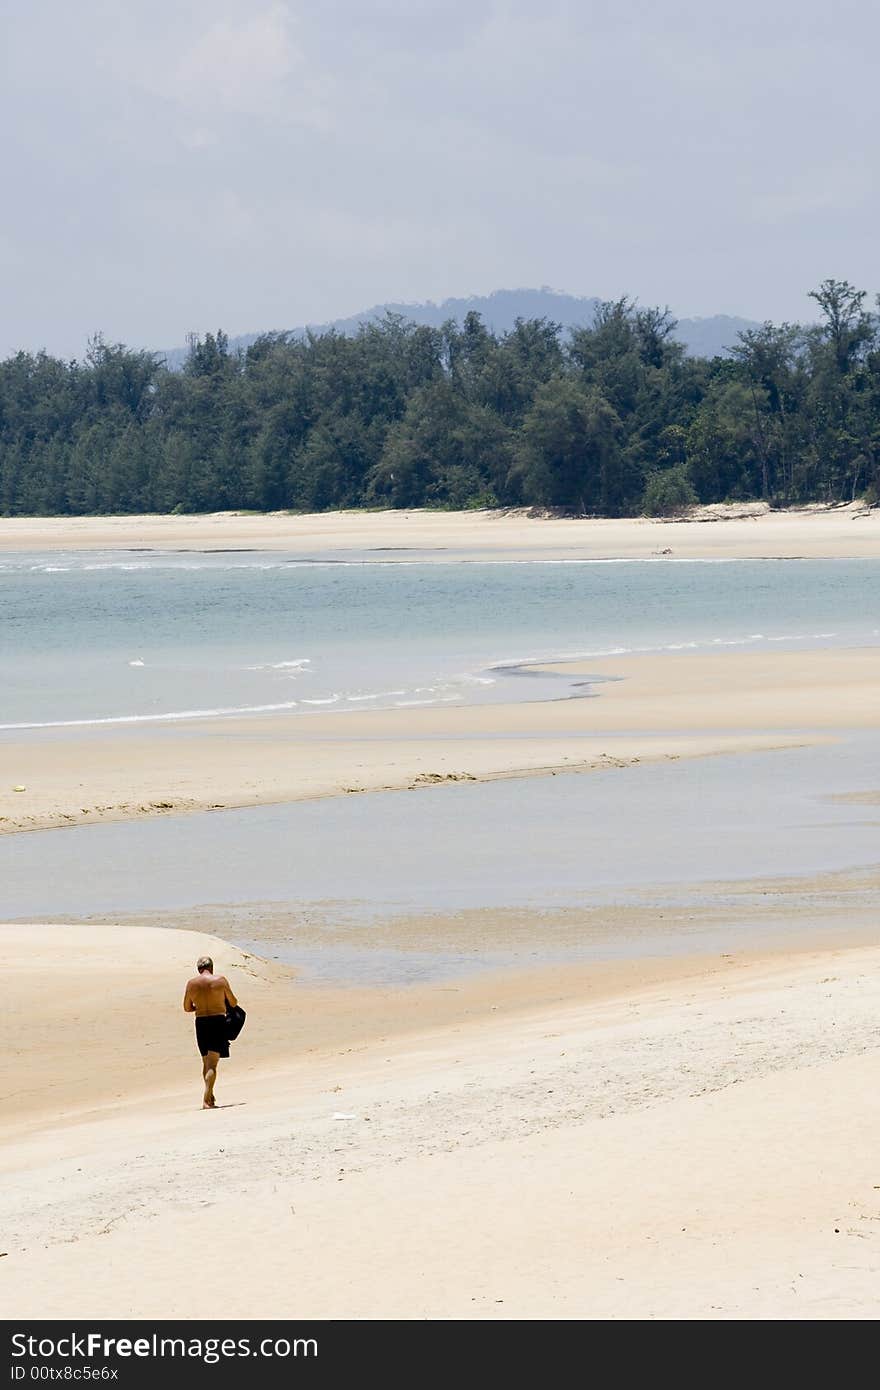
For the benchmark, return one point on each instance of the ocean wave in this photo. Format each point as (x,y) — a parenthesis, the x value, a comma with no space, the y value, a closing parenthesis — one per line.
(630,560)
(220,712)
(118,565)
(207,564)
(210,561)
(281,665)
(512,664)
(379,695)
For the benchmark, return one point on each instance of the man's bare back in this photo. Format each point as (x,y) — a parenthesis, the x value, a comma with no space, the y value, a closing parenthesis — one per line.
(207,994)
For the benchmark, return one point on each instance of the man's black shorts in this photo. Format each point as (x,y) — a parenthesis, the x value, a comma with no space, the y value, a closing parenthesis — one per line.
(211,1034)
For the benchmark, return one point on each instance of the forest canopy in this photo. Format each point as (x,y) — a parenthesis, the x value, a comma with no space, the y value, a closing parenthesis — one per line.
(610,419)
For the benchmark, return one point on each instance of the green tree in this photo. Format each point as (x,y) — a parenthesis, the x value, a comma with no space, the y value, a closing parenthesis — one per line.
(446,451)
(848,326)
(669,493)
(724,451)
(568,448)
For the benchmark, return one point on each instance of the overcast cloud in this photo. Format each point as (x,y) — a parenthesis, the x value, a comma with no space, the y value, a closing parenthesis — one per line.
(177,165)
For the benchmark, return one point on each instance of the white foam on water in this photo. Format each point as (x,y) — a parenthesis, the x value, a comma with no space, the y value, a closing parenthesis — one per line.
(221,712)
(380,695)
(210,562)
(635,560)
(126,566)
(698,644)
(297,665)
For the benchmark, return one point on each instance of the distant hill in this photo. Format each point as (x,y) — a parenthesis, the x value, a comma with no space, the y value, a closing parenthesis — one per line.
(702,337)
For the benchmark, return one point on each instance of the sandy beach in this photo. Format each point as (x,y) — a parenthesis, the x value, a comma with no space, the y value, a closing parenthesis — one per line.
(683,1136)
(724,531)
(691,1140)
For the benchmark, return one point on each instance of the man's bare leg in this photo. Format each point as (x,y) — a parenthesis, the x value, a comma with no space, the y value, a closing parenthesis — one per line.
(209,1072)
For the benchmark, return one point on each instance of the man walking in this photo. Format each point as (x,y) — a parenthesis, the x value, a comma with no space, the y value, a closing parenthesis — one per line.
(207,996)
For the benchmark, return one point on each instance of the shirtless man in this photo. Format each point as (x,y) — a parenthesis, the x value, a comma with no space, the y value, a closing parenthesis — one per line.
(206,996)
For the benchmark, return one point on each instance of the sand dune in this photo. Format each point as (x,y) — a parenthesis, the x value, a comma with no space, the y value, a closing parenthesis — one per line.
(567,1157)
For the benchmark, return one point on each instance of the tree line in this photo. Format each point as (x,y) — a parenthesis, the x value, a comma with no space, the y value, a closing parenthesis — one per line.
(613,419)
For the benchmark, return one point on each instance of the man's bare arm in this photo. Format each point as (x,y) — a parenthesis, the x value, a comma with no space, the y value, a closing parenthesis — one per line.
(230,997)
(188,1005)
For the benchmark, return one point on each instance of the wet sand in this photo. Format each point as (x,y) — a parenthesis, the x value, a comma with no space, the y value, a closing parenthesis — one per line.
(653,708)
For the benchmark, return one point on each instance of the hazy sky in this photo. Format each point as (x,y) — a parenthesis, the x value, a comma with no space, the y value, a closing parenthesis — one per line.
(177,165)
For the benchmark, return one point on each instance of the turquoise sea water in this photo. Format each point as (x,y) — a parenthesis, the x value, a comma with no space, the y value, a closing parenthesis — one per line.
(558,841)
(668,837)
(145,636)
(86,639)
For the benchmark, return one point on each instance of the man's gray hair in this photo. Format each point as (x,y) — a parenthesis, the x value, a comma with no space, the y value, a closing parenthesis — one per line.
(204,963)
